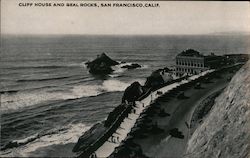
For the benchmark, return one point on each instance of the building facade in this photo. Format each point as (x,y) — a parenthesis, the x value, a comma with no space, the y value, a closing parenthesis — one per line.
(189,62)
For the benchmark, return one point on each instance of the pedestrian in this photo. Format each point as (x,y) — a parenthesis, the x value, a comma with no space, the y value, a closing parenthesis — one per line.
(118,139)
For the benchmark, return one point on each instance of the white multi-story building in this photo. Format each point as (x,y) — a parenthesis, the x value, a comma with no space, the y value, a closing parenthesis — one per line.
(189,62)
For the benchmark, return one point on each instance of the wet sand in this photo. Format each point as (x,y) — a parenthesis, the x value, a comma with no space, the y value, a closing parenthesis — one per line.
(180,110)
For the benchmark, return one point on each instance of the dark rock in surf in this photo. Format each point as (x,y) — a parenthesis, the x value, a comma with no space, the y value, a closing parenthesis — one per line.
(113,115)
(133,92)
(14,144)
(155,79)
(89,137)
(10,145)
(101,65)
(131,66)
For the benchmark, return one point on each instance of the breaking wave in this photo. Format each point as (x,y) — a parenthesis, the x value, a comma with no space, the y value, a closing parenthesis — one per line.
(43,79)
(21,99)
(81,64)
(63,135)
(118,70)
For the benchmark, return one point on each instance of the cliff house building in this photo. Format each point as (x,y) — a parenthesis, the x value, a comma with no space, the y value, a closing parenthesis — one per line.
(192,62)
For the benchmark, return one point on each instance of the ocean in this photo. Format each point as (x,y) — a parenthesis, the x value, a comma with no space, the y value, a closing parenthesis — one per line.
(48,97)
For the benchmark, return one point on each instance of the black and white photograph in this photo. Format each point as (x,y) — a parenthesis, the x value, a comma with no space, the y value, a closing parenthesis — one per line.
(125,79)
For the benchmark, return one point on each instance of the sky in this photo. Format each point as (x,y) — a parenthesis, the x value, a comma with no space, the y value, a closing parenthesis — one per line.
(183,17)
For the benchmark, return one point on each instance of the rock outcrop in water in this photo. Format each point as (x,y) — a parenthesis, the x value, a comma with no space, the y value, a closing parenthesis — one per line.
(131,66)
(225,131)
(89,137)
(101,65)
(113,115)
(132,93)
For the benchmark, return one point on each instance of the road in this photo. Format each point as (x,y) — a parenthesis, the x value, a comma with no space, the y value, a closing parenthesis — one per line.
(163,145)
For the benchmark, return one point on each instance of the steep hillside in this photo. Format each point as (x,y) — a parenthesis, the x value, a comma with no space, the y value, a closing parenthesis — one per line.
(226,131)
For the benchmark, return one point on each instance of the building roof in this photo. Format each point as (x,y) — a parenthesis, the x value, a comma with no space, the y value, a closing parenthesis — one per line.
(190,53)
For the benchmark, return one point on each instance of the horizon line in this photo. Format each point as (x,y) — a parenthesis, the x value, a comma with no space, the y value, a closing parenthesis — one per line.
(215,33)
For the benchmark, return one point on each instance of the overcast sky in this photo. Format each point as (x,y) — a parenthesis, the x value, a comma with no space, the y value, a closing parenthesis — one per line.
(170,18)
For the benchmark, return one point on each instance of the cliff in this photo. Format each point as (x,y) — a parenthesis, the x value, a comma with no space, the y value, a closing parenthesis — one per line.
(225,131)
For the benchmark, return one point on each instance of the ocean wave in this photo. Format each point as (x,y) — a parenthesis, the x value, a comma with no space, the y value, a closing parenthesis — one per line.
(21,99)
(63,135)
(144,67)
(114,75)
(118,70)
(81,64)
(94,90)
(72,82)
(17,90)
(43,79)
(37,67)
(8,91)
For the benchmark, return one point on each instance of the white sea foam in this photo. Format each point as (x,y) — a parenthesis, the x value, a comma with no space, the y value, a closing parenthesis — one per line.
(144,67)
(83,64)
(119,70)
(25,140)
(114,85)
(19,100)
(114,75)
(70,135)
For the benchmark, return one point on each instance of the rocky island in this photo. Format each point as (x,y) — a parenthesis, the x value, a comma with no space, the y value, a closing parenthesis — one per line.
(101,65)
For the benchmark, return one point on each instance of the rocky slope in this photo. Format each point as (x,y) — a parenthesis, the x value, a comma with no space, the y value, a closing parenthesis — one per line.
(225,132)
